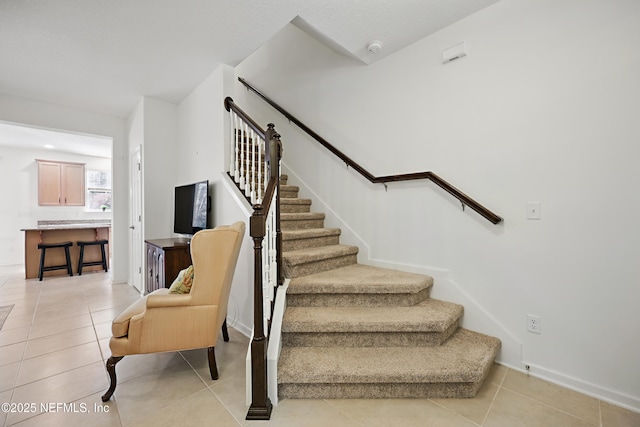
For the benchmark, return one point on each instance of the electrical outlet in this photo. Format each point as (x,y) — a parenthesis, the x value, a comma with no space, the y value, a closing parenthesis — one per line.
(534,324)
(534,210)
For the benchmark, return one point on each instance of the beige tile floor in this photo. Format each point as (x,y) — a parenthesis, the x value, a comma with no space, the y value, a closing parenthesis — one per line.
(55,341)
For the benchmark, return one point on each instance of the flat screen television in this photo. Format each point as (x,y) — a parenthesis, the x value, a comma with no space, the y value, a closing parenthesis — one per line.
(191,208)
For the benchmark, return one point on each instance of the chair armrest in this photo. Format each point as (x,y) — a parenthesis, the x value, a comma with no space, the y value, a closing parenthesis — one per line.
(168,300)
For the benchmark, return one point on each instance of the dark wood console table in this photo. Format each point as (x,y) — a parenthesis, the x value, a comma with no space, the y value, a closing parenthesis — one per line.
(165,259)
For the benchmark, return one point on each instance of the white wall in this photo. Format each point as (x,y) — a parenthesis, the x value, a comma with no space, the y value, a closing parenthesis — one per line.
(202,130)
(159,166)
(543,108)
(22,111)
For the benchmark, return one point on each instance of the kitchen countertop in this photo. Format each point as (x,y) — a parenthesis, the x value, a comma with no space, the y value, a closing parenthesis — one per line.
(69,224)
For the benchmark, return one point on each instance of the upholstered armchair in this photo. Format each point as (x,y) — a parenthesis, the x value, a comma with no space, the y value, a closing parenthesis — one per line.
(163,321)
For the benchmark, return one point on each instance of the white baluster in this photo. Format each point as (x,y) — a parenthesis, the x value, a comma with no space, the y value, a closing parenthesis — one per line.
(236,151)
(232,133)
(261,176)
(247,184)
(242,154)
(253,167)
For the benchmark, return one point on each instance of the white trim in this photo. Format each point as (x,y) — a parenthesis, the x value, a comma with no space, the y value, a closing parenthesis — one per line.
(275,344)
(274,348)
(614,397)
(247,375)
(236,194)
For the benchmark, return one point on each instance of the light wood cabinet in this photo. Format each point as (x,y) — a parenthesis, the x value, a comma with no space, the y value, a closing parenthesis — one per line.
(60,183)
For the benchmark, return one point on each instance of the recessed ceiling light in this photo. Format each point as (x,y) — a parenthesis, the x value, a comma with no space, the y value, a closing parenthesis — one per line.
(49,146)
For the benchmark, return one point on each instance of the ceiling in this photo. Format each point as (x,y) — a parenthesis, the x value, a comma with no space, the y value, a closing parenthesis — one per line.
(102,56)
(19,136)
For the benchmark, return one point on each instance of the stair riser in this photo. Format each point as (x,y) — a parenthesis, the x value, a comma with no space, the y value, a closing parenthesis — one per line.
(294,208)
(314,242)
(378,391)
(301,224)
(367,339)
(304,269)
(356,300)
(289,192)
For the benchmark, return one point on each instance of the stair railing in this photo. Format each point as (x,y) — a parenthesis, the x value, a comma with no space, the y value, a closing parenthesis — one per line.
(254,165)
(464,199)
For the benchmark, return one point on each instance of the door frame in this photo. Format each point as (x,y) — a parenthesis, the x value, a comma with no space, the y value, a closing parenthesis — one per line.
(136,216)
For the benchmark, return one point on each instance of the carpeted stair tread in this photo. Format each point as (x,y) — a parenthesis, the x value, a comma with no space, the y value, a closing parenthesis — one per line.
(294,201)
(288,191)
(302,262)
(301,220)
(286,187)
(359,278)
(302,256)
(429,316)
(290,205)
(463,358)
(309,233)
(301,216)
(302,238)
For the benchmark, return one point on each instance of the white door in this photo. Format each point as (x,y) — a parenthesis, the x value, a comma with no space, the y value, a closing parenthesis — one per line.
(136,221)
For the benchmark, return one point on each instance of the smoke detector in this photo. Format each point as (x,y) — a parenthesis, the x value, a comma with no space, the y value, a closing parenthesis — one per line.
(374,46)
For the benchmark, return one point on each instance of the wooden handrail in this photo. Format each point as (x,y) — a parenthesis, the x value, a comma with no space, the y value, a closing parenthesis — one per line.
(462,197)
(230,105)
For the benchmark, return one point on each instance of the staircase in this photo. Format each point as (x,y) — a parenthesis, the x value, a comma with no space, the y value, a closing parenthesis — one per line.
(356,331)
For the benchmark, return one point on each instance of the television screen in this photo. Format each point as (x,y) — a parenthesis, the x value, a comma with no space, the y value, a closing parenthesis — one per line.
(191,208)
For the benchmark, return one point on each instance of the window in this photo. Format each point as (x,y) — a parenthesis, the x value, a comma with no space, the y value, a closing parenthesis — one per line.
(98,190)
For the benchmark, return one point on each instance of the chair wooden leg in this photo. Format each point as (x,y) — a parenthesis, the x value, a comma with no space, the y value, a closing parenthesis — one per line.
(213,368)
(111,369)
(225,332)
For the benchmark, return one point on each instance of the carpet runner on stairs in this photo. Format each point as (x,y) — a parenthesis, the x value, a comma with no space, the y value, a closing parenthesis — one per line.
(356,331)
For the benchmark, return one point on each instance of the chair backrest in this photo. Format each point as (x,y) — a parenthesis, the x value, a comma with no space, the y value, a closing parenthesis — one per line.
(214,254)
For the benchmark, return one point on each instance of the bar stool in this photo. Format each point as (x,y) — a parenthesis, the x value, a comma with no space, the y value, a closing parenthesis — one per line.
(44,247)
(82,262)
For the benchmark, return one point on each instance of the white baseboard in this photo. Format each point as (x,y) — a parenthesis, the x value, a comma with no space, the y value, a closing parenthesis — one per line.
(614,397)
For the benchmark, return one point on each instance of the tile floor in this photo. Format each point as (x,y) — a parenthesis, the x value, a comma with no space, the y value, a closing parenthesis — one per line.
(54,344)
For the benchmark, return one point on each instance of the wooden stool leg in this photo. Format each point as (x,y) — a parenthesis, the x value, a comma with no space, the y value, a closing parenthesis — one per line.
(80,260)
(69,269)
(104,258)
(41,272)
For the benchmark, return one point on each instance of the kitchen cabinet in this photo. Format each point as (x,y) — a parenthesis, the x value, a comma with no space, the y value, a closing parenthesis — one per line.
(60,183)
